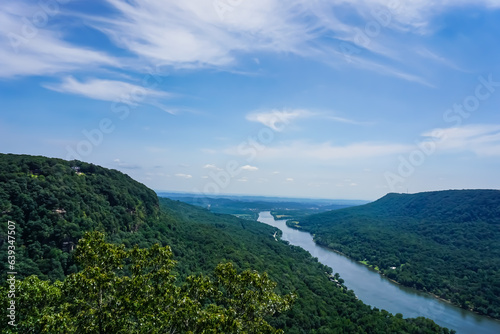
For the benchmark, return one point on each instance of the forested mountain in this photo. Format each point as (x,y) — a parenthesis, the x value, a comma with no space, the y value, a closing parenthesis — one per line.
(54,202)
(446,242)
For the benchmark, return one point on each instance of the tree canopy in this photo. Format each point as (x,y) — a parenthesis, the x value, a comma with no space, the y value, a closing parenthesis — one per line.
(134,291)
(446,242)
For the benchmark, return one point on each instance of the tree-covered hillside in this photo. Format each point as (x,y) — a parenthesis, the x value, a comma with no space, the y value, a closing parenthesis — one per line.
(446,243)
(53,204)
(53,201)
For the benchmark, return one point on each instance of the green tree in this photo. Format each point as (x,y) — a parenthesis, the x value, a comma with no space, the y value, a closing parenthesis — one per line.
(134,291)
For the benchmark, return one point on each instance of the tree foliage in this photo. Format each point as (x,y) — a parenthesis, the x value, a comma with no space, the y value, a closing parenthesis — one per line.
(446,243)
(134,291)
(53,202)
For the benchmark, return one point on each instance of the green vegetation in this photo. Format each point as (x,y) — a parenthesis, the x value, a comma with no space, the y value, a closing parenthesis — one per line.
(134,291)
(446,243)
(54,210)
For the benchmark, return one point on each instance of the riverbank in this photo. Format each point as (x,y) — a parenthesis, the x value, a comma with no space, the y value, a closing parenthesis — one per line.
(379,291)
(296,226)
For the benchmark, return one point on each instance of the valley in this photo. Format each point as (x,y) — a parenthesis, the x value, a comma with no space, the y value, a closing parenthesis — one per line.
(54,205)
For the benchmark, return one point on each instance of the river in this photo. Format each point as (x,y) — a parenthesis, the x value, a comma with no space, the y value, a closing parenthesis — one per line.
(376,290)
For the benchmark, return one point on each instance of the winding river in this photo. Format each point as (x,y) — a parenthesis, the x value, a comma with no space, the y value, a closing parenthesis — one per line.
(378,291)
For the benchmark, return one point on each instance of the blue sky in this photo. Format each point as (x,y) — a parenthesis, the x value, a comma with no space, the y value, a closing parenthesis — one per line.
(327,99)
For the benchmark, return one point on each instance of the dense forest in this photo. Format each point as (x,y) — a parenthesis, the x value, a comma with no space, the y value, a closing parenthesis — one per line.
(446,242)
(133,290)
(55,202)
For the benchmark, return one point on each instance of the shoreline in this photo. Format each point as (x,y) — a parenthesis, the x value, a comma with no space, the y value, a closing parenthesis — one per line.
(392,280)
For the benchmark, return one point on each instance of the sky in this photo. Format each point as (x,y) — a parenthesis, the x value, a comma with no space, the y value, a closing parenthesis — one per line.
(298,98)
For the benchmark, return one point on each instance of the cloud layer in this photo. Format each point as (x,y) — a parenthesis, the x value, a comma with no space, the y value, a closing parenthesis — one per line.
(197,34)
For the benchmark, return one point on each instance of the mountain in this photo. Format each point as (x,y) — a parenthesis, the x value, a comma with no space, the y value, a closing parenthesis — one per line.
(445,242)
(53,202)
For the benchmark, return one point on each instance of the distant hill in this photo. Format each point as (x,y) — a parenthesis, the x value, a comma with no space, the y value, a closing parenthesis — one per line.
(53,202)
(446,242)
(248,207)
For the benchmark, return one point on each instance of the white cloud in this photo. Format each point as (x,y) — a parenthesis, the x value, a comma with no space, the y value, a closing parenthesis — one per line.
(184,176)
(276,119)
(481,139)
(211,166)
(27,50)
(289,179)
(249,168)
(106,90)
(243,179)
(191,34)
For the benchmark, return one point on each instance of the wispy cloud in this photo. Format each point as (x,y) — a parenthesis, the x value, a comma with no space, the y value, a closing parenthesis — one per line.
(40,51)
(345,120)
(276,119)
(106,90)
(426,53)
(342,120)
(480,139)
(414,14)
(279,119)
(191,34)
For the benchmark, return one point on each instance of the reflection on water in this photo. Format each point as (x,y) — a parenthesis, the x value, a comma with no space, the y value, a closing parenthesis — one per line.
(378,291)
